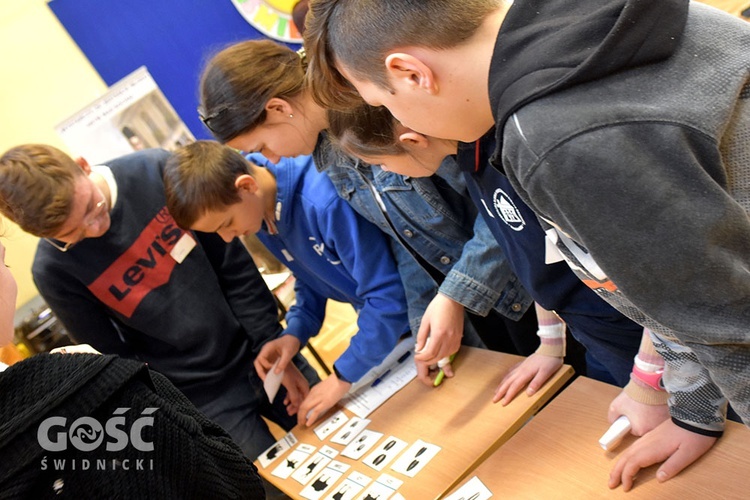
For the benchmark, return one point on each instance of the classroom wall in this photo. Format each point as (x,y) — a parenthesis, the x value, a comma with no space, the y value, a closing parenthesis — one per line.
(45,78)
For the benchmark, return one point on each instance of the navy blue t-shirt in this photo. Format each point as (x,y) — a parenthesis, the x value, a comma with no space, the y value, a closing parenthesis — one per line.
(607,334)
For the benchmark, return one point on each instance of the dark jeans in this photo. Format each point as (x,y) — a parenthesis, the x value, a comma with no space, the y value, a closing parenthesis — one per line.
(505,335)
(613,341)
(240,408)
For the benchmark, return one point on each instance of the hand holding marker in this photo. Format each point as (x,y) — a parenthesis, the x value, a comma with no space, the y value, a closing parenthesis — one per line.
(441,374)
(617,431)
(445,361)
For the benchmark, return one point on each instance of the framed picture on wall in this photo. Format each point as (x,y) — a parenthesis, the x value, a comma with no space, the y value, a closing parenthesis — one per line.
(133,114)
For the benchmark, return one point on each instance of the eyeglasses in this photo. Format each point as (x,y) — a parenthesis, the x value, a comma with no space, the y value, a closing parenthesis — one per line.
(88,221)
(206,119)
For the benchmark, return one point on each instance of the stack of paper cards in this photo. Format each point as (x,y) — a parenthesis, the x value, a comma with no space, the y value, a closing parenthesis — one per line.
(383,381)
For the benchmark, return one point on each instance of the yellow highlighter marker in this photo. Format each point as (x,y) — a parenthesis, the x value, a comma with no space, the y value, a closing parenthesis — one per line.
(441,374)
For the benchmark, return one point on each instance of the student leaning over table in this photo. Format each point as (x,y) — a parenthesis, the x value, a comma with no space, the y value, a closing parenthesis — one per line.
(373,134)
(623,124)
(435,224)
(332,252)
(121,284)
(270,110)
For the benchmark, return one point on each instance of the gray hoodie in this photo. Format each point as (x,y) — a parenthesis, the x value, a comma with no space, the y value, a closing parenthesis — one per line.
(630,137)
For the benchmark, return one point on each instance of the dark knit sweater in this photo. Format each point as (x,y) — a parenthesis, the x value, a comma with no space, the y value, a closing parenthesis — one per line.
(191,457)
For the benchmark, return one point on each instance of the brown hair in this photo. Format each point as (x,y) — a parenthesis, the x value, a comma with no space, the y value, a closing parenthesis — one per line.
(365,131)
(360,33)
(237,83)
(199,178)
(37,188)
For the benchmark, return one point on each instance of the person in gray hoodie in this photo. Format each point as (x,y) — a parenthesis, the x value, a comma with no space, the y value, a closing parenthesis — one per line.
(623,124)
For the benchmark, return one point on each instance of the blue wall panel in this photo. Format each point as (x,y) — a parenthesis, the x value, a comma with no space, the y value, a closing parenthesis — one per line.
(172,38)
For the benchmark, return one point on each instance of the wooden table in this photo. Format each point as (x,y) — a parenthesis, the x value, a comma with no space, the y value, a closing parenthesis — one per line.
(735,7)
(557,455)
(458,416)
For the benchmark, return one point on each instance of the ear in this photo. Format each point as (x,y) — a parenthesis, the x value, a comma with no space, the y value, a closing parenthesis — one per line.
(247,183)
(414,139)
(277,107)
(411,71)
(81,162)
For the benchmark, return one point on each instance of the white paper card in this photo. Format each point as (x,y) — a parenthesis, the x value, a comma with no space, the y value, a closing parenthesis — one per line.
(315,463)
(415,458)
(276,450)
(383,381)
(357,448)
(182,248)
(272,382)
(349,487)
(474,489)
(292,462)
(350,431)
(383,488)
(384,453)
(325,480)
(329,426)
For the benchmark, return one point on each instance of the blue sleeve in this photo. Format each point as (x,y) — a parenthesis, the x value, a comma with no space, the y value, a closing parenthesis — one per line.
(364,251)
(482,274)
(419,286)
(305,318)
(479,277)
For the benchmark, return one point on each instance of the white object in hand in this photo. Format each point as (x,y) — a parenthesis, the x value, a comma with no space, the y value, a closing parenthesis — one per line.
(615,434)
(75,349)
(445,361)
(272,382)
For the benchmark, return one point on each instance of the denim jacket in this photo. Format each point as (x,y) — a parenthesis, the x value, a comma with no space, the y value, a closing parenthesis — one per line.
(440,224)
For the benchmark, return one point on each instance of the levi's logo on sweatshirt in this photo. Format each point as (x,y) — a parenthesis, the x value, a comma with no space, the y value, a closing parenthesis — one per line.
(143,267)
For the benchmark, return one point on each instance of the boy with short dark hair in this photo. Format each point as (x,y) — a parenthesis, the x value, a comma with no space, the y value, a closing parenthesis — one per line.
(332,251)
(623,124)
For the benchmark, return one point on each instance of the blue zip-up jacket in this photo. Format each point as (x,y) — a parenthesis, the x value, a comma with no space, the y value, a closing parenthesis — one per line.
(434,217)
(334,254)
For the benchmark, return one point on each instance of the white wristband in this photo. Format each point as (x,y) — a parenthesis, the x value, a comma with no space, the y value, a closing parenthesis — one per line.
(646,366)
(556,331)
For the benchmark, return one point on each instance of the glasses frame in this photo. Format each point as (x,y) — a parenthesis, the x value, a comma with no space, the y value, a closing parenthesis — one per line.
(206,119)
(88,221)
